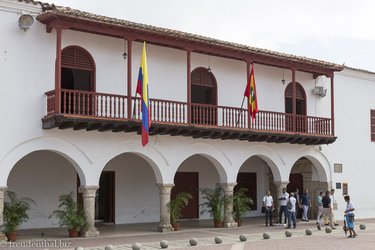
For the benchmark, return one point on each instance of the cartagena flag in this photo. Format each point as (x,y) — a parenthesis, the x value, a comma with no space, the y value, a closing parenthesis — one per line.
(251,94)
(142,90)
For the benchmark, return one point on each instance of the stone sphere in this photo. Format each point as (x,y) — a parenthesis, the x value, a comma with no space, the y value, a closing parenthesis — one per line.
(288,233)
(266,235)
(218,240)
(243,237)
(193,242)
(308,232)
(109,247)
(362,226)
(136,246)
(328,230)
(164,244)
(79,248)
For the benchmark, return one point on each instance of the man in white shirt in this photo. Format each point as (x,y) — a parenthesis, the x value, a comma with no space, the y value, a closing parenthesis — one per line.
(283,200)
(268,204)
(291,211)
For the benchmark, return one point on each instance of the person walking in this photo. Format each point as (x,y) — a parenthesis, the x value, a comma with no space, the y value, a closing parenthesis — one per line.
(349,216)
(298,202)
(268,204)
(283,200)
(327,210)
(291,211)
(320,207)
(306,204)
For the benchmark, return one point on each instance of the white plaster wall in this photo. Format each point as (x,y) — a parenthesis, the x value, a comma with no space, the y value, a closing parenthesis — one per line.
(42,176)
(354,98)
(136,193)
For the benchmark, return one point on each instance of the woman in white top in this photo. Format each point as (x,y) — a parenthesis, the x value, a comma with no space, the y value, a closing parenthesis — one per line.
(268,204)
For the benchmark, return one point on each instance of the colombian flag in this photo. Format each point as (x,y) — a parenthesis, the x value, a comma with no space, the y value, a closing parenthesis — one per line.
(142,90)
(251,94)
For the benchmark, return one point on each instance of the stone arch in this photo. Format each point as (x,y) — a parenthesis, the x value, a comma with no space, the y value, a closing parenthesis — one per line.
(218,158)
(318,159)
(150,154)
(72,153)
(273,160)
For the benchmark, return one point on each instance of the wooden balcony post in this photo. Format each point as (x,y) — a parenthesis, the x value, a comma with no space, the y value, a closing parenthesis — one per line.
(294,104)
(332,107)
(58,71)
(129,101)
(188,77)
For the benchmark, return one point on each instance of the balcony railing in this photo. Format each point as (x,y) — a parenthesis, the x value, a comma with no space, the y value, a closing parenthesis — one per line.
(114,107)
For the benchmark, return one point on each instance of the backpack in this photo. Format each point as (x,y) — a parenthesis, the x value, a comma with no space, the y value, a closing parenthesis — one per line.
(289,205)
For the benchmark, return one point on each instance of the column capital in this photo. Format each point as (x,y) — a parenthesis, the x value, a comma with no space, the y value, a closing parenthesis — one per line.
(281,184)
(228,186)
(165,188)
(2,192)
(88,191)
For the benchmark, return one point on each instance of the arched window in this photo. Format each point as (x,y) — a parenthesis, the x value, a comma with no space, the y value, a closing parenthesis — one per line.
(203,97)
(300,99)
(77,74)
(77,69)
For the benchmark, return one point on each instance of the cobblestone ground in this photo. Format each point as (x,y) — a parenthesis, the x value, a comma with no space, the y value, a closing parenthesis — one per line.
(230,239)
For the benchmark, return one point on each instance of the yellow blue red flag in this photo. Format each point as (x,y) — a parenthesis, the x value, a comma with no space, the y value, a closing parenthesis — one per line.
(251,94)
(142,90)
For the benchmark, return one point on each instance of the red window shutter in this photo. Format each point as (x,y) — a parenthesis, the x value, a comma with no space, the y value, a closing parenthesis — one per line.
(78,58)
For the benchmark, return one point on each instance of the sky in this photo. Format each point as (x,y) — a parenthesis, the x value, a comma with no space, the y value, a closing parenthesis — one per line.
(337,31)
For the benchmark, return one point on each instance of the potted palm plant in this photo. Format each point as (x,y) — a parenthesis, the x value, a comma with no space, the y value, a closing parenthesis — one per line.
(175,207)
(15,213)
(69,214)
(214,203)
(241,204)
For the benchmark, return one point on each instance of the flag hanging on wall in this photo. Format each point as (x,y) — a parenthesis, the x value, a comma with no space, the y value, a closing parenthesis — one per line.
(251,94)
(142,90)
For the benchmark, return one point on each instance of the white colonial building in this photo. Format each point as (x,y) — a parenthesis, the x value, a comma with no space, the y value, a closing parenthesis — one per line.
(71,121)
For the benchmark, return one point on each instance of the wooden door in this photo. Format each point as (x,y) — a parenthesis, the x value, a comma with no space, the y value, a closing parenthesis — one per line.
(188,182)
(249,181)
(105,200)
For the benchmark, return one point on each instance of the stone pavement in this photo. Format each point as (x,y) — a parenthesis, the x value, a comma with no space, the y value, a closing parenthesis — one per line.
(122,237)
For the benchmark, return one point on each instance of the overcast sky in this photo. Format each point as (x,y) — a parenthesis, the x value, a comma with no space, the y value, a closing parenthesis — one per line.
(338,31)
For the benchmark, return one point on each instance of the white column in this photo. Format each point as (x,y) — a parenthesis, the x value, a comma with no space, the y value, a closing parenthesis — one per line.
(2,192)
(228,205)
(88,195)
(165,217)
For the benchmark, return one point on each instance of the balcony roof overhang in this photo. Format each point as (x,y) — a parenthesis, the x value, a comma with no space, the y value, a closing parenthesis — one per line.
(67,18)
(195,131)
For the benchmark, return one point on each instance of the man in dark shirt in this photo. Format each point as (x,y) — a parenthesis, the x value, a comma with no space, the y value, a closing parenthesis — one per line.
(327,211)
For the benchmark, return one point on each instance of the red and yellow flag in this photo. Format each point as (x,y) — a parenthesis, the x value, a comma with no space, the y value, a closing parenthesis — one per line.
(142,90)
(251,94)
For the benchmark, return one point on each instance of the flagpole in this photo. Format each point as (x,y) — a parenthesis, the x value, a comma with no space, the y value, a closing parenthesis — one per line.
(135,98)
(238,116)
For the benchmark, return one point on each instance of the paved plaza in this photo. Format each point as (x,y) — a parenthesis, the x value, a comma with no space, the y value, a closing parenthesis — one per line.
(123,236)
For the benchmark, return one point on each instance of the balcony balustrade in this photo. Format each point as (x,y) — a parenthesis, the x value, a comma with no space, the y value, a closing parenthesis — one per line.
(92,110)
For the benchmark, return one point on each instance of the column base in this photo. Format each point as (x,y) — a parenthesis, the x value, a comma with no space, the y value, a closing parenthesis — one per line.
(90,232)
(165,228)
(231,224)
(3,237)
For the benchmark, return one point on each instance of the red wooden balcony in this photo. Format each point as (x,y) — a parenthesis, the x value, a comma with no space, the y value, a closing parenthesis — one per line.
(108,112)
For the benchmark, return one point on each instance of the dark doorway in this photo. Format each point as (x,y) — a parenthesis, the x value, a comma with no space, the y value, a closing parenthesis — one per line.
(105,198)
(188,182)
(296,181)
(77,80)
(249,181)
(203,97)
